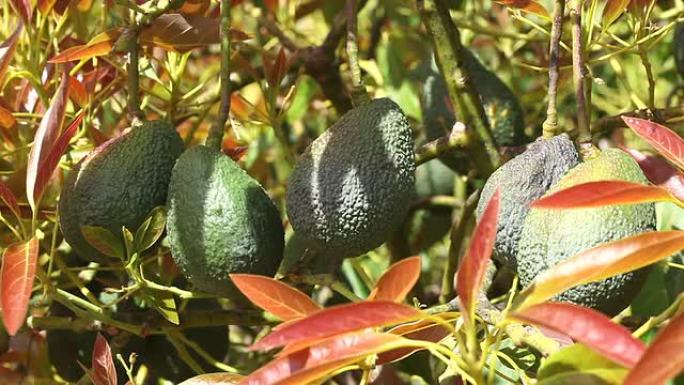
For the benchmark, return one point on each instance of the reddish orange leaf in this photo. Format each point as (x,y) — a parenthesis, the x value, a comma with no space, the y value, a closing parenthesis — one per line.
(474,264)
(7,50)
(177,32)
(423,330)
(602,193)
(664,358)
(613,10)
(78,92)
(338,320)
(589,327)
(7,123)
(101,44)
(23,8)
(103,372)
(7,197)
(666,141)
(530,6)
(660,173)
(214,379)
(194,7)
(44,140)
(283,301)
(318,361)
(397,281)
(16,281)
(603,261)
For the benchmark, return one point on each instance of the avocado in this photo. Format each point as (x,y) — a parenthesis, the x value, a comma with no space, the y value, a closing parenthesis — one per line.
(220,221)
(429,225)
(352,186)
(505,115)
(522,180)
(118,184)
(678,48)
(550,236)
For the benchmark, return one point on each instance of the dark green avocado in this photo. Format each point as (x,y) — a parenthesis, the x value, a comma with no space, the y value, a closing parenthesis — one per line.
(220,221)
(550,236)
(118,184)
(352,186)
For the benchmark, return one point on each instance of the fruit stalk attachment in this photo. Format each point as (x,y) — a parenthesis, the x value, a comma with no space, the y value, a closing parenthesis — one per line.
(550,126)
(215,137)
(584,136)
(358,91)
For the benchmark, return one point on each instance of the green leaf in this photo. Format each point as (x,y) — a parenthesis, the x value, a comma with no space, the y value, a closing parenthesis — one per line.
(164,303)
(590,377)
(151,229)
(573,359)
(104,241)
(128,241)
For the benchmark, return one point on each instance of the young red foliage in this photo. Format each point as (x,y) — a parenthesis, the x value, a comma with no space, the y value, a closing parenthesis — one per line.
(660,173)
(339,320)
(16,282)
(663,359)
(602,193)
(283,301)
(666,141)
(7,50)
(397,281)
(612,10)
(320,360)
(23,8)
(103,371)
(474,264)
(44,141)
(603,261)
(530,6)
(423,330)
(8,198)
(587,326)
(101,44)
(77,92)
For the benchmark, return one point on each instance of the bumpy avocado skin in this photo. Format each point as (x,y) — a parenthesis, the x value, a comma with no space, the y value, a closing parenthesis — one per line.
(118,184)
(522,180)
(550,236)
(220,221)
(352,186)
(429,225)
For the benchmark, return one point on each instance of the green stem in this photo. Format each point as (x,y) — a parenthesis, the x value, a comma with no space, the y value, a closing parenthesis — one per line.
(550,126)
(215,138)
(358,91)
(133,74)
(584,132)
(457,139)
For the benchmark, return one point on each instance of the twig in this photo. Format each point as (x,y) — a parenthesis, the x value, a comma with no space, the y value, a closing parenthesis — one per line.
(550,126)
(358,91)
(457,139)
(584,137)
(133,74)
(215,138)
(609,123)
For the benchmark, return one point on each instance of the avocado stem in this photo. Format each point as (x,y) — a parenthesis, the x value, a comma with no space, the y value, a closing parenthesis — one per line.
(358,92)
(215,137)
(550,126)
(133,73)
(584,136)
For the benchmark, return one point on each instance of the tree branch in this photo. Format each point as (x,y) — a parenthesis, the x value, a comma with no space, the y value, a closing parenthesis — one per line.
(550,126)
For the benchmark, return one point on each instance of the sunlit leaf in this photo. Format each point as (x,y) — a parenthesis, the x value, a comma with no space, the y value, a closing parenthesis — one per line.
(613,9)
(602,193)
(603,261)
(103,241)
(337,320)
(151,229)
(281,300)
(7,122)
(8,198)
(667,142)
(588,326)
(101,44)
(660,172)
(23,8)
(16,281)
(44,140)
(7,49)
(214,379)
(177,32)
(530,6)
(165,304)
(474,264)
(318,361)
(397,281)
(423,330)
(589,377)
(78,92)
(663,359)
(103,371)
(194,7)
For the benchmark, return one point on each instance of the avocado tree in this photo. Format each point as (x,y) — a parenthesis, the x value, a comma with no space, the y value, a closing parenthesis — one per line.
(342,192)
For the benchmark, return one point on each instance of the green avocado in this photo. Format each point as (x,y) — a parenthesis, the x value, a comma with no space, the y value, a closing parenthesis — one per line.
(429,225)
(550,236)
(220,221)
(505,115)
(522,180)
(118,184)
(352,186)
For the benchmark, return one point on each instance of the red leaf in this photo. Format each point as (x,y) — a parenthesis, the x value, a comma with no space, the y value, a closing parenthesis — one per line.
(613,10)
(104,372)
(177,32)
(602,193)
(530,6)
(77,92)
(23,8)
(101,44)
(474,264)
(663,359)
(397,281)
(338,320)
(194,7)
(7,196)
(7,124)
(423,330)
(281,300)
(660,172)
(43,142)
(666,141)
(603,261)
(589,327)
(16,281)
(318,361)
(7,50)
(221,378)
